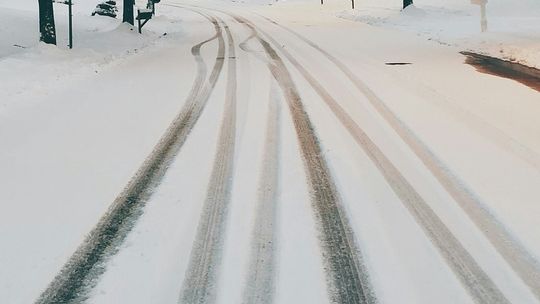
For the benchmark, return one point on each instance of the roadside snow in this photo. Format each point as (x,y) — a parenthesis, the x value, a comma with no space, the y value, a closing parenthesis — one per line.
(99,42)
(513,27)
(76,124)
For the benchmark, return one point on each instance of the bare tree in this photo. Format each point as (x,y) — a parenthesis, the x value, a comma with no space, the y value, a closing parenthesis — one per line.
(46,22)
(407,3)
(128,12)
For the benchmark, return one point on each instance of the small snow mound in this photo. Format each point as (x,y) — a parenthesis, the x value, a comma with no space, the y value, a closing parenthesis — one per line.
(46,49)
(413,11)
(124,27)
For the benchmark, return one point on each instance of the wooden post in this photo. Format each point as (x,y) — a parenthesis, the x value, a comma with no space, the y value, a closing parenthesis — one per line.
(407,3)
(46,22)
(128,12)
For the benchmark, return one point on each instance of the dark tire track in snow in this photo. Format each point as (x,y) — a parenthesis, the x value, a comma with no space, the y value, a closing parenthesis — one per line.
(260,282)
(85,266)
(526,266)
(199,284)
(347,278)
(262,268)
(477,283)
(497,136)
(244,45)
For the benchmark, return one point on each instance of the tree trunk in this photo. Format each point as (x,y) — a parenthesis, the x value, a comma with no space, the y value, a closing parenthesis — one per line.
(128,11)
(46,22)
(407,3)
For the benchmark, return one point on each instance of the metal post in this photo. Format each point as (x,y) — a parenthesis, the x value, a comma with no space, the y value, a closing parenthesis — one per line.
(352,4)
(70,24)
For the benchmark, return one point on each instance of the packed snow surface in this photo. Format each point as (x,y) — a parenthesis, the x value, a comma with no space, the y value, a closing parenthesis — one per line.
(513,27)
(266,153)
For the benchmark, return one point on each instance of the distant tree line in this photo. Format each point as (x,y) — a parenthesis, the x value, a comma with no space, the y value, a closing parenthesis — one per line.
(47,28)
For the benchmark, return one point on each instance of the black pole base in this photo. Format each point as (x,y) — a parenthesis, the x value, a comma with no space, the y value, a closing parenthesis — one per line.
(407,3)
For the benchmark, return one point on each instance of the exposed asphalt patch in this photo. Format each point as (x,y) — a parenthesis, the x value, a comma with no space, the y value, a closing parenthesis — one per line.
(523,74)
(398,63)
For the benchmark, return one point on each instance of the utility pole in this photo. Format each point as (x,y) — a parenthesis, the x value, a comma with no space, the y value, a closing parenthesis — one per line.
(128,12)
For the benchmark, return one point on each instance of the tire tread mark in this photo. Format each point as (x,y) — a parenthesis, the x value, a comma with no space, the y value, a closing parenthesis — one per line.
(199,285)
(479,286)
(526,266)
(83,269)
(260,280)
(347,277)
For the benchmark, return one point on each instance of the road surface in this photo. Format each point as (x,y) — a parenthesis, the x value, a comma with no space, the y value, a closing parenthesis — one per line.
(288,170)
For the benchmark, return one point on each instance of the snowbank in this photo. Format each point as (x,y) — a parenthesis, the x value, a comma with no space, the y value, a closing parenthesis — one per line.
(513,27)
(29,68)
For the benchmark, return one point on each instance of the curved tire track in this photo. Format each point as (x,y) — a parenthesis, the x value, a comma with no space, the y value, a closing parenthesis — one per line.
(83,269)
(347,277)
(260,280)
(479,286)
(199,285)
(514,253)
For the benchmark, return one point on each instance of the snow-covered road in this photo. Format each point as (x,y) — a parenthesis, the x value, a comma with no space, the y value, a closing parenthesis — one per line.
(269,155)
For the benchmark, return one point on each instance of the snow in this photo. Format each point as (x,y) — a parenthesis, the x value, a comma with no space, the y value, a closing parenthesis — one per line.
(100,42)
(513,26)
(76,124)
(73,120)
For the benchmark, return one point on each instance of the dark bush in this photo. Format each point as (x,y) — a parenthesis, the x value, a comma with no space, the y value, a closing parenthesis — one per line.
(107,8)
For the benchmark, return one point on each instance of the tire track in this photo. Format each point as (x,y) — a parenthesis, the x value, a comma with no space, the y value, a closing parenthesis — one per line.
(199,285)
(245,47)
(261,274)
(526,266)
(347,277)
(85,266)
(499,137)
(260,284)
(479,286)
